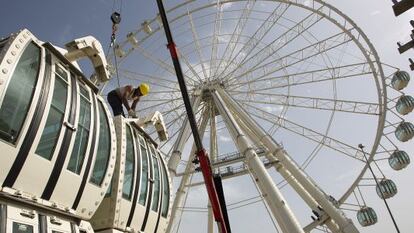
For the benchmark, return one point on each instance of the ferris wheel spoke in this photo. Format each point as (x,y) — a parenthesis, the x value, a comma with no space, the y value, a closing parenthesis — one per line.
(162,64)
(158,105)
(311,76)
(312,103)
(217,27)
(160,99)
(146,76)
(235,37)
(157,84)
(197,44)
(297,56)
(307,133)
(190,67)
(272,48)
(258,36)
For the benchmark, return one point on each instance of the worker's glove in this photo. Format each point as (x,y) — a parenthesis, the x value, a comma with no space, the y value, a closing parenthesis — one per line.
(132,114)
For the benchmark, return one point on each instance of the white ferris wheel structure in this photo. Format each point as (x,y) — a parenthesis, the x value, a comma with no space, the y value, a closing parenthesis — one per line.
(284,91)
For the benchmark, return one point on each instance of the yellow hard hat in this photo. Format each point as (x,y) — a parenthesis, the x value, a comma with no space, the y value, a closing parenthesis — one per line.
(144,89)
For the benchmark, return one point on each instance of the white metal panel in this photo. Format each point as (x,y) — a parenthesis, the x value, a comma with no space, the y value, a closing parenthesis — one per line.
(151,222)
(138,218)
(19,215)
(162,225)
(57,224)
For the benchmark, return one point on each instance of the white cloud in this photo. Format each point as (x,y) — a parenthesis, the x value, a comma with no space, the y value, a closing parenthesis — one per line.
(274,109)
(224,138)
(223,39)
(226,6)
(374,13)
(223,6)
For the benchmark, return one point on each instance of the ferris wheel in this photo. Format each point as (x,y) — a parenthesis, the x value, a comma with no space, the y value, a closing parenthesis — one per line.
(284,91)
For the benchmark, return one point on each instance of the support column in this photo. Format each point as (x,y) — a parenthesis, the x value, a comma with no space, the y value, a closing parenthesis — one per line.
(292,181)
(185,180)
(345,224)
(182,138)
(213,157)
(273,197)
(210,221)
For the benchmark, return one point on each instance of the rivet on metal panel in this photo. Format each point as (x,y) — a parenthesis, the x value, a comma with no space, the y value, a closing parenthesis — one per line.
(9,61)
(4,71)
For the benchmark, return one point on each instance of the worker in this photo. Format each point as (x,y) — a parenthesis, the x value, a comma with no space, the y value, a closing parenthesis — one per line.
(123,95)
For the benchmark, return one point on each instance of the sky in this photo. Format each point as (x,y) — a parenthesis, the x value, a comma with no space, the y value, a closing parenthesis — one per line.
(62,21)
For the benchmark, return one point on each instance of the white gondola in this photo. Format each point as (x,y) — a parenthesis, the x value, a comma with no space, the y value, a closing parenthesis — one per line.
(400,80)
(56,130)
(399,160)
(404,131)
(386,188)
(405,104)
(366,216)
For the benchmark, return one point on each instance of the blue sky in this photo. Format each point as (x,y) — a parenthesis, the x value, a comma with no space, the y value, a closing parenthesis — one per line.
(61,21)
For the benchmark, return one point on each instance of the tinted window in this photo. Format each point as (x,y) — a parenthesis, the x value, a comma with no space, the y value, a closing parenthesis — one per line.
(54,121)
(165,192)
(156,193)
(129,166)
(22,228)
(19,94)
(104,147)
(109,190)
(3,43)
(82,133)
(144,174)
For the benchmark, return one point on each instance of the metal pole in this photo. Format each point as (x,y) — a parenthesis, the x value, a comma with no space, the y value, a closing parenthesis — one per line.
(185,180)
(345,225)
(201,154)
(273,197)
